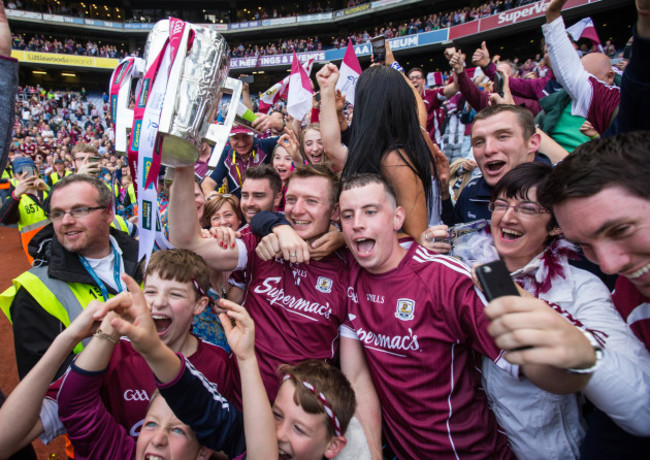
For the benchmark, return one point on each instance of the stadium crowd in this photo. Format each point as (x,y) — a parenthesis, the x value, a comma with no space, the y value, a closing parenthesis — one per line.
(40,43)
(311,297)
(433,21)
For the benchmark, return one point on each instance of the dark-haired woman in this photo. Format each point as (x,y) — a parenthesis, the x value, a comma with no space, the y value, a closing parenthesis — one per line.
(386,139)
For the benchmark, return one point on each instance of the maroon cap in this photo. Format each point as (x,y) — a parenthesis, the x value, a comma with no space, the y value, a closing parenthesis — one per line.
(240,129)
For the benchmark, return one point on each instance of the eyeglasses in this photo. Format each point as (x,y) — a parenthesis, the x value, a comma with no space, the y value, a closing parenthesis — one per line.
(525,209)
(75,213)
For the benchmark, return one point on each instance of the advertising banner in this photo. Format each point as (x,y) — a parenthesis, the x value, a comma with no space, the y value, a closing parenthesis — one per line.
(278,21)
(380,3)
(522,14)
(353,10)
(64,59)
(275,60)
(244,25)
(314,17)
(138,25)
(22,14)
(462,30)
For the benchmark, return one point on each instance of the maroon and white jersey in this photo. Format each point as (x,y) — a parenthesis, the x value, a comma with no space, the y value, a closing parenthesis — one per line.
(423,330)
(433,99)
(634,307)
(28,149)
(297,308)
(129,383)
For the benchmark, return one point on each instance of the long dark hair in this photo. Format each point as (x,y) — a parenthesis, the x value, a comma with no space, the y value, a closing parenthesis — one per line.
(385,118)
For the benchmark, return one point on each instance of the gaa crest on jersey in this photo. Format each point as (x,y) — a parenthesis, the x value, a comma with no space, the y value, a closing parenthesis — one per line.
(324,284)
(405,309)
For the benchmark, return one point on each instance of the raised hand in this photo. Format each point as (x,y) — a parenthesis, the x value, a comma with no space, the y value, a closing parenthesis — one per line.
(456,61)
(481,56)
(507,98)
(24,184)
(327,77)
(290,143)
(265,122)
(239,329)
(554,10)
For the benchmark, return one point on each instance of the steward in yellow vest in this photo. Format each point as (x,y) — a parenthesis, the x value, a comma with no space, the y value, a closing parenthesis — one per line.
(77,258)
(56,175)
(24,207)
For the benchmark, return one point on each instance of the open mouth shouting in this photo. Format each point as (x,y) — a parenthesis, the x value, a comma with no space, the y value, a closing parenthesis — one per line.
(364,246)
(316,158)
(495,167)
(162,323)
(283,455)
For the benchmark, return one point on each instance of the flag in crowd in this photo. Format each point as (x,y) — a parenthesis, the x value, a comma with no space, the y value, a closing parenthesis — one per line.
(300,91)
(280,90)
(349,73)
(585,28)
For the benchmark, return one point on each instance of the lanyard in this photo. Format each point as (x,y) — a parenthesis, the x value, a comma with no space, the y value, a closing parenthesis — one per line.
(100,283)
(234,161)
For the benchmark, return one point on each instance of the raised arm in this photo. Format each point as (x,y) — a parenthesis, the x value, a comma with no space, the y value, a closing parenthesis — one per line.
(329,123)
(474,96)
(184,227)
(522,87)
(20,413)
(567,67)
(259,425)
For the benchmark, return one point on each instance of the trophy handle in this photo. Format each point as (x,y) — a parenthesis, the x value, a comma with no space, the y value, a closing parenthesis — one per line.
(124,119)
(218,134)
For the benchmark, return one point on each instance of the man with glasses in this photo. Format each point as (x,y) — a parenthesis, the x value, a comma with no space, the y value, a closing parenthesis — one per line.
(78,258)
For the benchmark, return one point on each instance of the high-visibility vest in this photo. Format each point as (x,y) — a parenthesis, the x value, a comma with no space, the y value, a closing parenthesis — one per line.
(120,224)
(64,301)
(31,219)
(54,177)
(5,184)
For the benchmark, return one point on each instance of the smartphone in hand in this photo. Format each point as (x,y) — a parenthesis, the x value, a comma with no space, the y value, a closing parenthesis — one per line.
(499,79)
(495,280)
(378,49)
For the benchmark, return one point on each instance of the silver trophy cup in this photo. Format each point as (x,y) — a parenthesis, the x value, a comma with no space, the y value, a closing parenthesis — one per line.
(193,93)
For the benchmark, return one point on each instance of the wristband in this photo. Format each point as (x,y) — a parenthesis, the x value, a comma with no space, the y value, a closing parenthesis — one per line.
(395,65)
(13,195)
(103,335)
(597,349)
